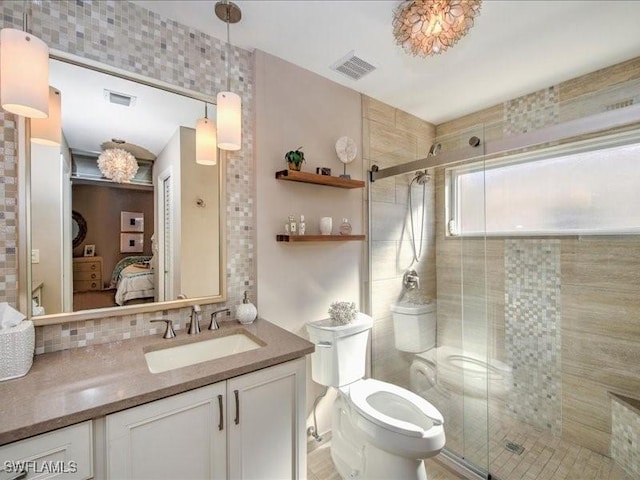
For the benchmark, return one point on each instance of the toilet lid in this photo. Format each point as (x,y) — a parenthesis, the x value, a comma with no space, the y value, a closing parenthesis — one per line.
(393,407)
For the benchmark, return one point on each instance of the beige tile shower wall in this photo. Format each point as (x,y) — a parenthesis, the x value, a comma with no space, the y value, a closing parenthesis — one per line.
(129,37)
(599,279)
(392,137)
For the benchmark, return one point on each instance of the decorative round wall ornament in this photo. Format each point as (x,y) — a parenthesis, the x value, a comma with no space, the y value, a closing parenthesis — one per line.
(78,228)
(346,149)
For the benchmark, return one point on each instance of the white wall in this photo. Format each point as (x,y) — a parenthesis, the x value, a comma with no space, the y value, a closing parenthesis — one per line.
(298,282)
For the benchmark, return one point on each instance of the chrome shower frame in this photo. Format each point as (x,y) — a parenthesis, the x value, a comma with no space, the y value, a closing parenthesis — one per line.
(563,131)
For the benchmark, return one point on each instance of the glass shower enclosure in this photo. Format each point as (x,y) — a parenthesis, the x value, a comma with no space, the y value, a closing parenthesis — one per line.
(501,287)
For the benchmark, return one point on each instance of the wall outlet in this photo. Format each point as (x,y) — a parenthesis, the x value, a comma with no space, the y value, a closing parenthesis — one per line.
(35,256)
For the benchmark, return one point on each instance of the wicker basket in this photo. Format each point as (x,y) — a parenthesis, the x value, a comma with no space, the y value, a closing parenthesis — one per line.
(16,350)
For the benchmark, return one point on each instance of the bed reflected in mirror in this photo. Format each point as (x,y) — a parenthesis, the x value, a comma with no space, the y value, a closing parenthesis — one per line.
(121,214)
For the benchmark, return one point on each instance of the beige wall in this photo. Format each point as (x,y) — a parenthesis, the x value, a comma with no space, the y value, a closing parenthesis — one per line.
(297,282)
(393,137)
(599,331)
(199,225)
(46,220)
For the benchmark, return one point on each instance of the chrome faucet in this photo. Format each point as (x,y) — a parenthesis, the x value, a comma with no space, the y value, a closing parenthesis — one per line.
(214,324)
(169,331)
(194,326)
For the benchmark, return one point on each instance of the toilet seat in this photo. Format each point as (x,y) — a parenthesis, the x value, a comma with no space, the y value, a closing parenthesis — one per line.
(412,415)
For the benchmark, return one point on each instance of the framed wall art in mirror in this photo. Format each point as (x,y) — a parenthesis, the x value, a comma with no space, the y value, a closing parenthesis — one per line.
(145,225)
(78,228)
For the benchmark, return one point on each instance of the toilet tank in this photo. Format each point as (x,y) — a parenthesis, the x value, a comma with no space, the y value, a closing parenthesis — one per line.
(341,350)
(414,326)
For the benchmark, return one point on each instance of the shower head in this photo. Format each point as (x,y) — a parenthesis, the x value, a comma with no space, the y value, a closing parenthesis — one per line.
(421,178)
(434,150)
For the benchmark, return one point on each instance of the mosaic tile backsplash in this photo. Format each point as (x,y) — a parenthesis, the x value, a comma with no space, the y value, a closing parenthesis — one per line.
(531,112)
(129,37)
(532,331)
(625,437)
(8,198)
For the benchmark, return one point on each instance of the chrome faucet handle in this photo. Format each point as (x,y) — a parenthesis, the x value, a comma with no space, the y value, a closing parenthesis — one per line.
(169,331)
(411,280)
(194,326)
(214,324)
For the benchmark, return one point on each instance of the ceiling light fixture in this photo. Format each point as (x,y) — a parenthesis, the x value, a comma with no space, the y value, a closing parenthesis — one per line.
(229,104)
(48,131)
(118,165)
(429,27)
(24,72)
(206,148)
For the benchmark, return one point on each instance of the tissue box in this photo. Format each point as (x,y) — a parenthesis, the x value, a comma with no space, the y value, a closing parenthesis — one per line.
(16,350)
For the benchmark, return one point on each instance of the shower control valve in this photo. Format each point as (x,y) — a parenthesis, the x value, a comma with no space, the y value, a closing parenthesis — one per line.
(411,280)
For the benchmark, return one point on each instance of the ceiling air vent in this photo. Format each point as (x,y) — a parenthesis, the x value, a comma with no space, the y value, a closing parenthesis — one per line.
(119,98)
(353,66)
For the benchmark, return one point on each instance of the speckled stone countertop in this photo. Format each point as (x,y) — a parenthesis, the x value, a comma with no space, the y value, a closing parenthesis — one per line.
(71,386)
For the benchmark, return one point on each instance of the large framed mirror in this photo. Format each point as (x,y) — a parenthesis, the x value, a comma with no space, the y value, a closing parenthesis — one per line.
(102,247)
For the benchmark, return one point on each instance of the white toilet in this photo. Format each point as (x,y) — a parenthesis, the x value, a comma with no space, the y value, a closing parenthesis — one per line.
(380,431)
(451,370)
(414,326)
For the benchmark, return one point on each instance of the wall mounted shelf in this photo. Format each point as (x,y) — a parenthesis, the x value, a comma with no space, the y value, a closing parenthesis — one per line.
(318,238)
(305,177)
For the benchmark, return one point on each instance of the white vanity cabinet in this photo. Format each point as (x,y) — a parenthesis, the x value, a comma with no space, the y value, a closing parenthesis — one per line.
(248,427)
(176,437)
(266,437)
(64,453)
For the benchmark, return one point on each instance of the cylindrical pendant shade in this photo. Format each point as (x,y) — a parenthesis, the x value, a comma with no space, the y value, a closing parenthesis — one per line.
(24,74)
(229,119)
(206,149)
(48,131)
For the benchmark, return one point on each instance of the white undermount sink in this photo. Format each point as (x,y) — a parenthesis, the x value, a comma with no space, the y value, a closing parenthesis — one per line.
(197,352)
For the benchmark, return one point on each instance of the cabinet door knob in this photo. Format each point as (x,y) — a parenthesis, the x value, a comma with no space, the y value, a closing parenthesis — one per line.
(93,267)
(237,419)
(221,424)
(93,285)
(93,275)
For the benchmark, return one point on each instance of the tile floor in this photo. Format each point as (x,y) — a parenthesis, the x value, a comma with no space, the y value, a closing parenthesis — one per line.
(545,457)
(320,466)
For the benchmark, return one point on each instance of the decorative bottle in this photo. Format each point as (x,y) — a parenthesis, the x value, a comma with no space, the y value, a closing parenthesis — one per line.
(345,227)
(302,226)
(246,312)
(293,225)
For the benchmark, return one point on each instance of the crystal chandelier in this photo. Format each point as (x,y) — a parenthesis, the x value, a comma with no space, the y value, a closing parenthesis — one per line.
(429,27)
(118,165)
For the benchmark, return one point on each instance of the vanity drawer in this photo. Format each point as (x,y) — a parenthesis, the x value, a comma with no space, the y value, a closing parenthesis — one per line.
(64,453)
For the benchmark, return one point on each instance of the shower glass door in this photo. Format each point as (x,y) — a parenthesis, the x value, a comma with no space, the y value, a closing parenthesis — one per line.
(420,223)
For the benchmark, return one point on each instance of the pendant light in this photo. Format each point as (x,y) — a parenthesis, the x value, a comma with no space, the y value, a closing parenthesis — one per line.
(229,104)
(24,73)
(48,131)
(206,149)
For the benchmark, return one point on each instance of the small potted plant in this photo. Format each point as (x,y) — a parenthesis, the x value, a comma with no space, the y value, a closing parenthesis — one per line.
(295,158)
